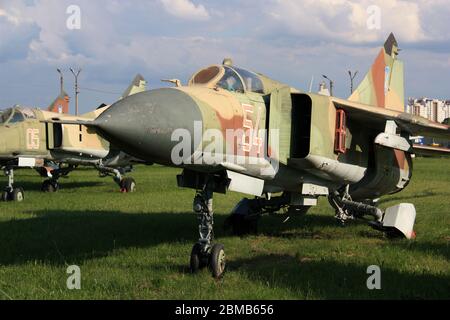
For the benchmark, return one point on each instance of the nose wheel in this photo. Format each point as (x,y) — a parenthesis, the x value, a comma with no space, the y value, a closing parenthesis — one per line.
(204,252)
(10,193)
(199,259)
(215,259)
(16,195)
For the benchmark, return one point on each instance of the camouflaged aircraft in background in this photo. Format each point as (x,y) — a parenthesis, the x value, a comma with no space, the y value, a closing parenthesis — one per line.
(232,129)
(55,150)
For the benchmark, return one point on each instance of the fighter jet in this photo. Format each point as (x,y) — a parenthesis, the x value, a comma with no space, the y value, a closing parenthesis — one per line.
(231,129)
(54,150)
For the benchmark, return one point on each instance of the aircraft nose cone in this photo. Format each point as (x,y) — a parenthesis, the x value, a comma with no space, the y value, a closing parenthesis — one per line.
(142,124)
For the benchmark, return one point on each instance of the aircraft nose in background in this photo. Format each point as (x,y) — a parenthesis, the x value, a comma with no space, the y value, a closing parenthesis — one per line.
(142,124)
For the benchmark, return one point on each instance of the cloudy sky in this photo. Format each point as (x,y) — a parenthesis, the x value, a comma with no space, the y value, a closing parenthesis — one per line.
(289,40)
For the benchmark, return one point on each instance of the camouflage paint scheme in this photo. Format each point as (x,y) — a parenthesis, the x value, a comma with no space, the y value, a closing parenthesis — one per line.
(32,138)
(311,145)
(27,136)
(307,125)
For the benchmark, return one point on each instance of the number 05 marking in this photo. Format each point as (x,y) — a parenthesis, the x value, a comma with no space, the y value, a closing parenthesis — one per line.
(32,139)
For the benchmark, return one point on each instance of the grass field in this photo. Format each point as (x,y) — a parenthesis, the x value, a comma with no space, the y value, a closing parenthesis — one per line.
(137,246)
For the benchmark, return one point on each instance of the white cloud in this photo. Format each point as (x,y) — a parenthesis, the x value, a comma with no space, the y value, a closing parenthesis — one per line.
(185,9)
(346,20)
(289,40)
(9,17)
(12,16)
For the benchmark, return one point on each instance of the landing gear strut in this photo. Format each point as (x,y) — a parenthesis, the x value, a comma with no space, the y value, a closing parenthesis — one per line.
(10,193)
(126,184)
(204,252)
(347,209)
(394,222)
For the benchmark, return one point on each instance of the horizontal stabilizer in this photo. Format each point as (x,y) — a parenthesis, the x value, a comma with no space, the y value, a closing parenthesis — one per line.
(430,151)
(376,117)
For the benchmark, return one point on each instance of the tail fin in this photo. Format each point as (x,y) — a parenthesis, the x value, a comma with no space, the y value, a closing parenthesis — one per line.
(138,85)
(60,104)
(383,86)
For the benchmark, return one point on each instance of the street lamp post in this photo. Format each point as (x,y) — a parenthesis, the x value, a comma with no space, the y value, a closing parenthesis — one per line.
(61,78)
(352,77)
(331,84)
(76,74)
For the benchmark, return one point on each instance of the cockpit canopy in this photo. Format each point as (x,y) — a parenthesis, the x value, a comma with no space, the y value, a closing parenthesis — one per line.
(16,115)
(229,78)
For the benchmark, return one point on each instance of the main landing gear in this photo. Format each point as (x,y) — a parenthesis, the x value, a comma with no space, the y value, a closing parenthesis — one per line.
(10,193)
(394,222)
(126,184)
(346,209)
(204,252)
(52,185)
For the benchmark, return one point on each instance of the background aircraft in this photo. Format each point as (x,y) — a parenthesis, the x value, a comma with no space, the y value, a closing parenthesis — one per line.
(55,149)
(350,151)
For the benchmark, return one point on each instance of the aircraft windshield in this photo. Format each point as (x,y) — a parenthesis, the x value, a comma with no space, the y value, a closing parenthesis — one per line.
(252,82)
(5,115)
(14,115)
(17,117)
(231,81)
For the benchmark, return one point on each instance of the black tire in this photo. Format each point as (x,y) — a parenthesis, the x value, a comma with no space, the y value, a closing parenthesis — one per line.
(17,195)
(128,185)
(50,186)
(5,196)
(198,260)
(217,261)
(194,264)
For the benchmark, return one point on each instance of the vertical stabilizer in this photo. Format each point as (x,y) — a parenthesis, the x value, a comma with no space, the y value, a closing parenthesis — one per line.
(383,85)
(138,85)
(60,104)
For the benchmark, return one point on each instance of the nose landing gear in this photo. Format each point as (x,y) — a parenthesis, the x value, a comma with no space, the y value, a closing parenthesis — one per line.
(204,253)
(10,193)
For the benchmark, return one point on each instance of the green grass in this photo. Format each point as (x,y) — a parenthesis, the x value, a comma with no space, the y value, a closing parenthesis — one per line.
(136,246)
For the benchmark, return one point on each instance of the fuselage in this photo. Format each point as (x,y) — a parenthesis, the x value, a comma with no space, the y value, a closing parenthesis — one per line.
(24,134)
(232,119)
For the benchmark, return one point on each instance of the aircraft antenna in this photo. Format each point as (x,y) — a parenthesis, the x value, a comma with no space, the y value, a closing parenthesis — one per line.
(311,83)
